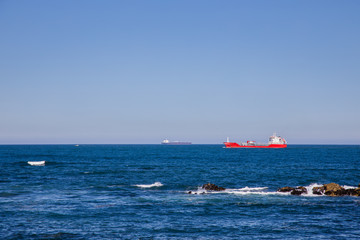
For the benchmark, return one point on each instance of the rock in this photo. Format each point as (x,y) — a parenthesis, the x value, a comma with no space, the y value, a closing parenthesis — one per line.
(353,192)
(293,191)
(318,190)
(299,191)
(357,192)
(350,192)
(212,187)
(334,189)
(286,189)
(331,189)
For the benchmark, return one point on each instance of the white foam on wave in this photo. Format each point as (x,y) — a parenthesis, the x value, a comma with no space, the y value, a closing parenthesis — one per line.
(36,163)
(250,189)
(261,193)
(199,190)
(254,190)
(155,184)
(310,190)
(239,191)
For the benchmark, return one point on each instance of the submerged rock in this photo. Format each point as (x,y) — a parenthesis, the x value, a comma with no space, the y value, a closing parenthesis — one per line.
(212,187)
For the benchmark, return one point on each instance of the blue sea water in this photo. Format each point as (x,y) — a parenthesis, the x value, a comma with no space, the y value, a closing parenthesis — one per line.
(141,192)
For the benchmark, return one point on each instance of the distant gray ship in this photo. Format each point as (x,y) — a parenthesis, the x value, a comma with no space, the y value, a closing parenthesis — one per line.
(167,142)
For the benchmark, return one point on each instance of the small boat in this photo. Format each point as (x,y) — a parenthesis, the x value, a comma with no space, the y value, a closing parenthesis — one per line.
(36,163)
(274,142)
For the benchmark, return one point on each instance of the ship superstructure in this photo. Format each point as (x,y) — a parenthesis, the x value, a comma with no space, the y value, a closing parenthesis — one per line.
(274,142)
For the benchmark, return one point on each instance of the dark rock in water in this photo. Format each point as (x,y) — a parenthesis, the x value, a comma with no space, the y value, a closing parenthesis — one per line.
(212,187)
(351,192)
(293,191)
(318,190)
(357,192)
(286,189)
(209,187)
(334,189)
(299,191)
(331,189)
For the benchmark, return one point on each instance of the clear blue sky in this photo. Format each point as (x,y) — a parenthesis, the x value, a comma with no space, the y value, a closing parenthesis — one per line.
(141,71)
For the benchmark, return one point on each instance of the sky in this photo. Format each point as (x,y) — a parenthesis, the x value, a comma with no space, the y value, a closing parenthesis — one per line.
(137,72)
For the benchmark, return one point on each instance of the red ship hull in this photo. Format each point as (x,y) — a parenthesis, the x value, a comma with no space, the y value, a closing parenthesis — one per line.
(236,145)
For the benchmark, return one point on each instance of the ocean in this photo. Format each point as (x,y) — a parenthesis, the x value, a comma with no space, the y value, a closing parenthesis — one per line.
(142,192)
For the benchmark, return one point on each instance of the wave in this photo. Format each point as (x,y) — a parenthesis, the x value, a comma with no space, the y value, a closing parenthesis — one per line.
(36,163)
(254,190)
(155,184)
(240,191)
(262,191)
(248,190)
(309,190)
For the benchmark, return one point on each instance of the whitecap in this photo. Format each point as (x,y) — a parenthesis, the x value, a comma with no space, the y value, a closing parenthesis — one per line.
(239,191)
(155,184)
(36,163)
(309,190)
(253,190)
(249,189)
(260,193)
(200,190)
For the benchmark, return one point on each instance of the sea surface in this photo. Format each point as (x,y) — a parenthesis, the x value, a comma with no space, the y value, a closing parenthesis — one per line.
(142,192)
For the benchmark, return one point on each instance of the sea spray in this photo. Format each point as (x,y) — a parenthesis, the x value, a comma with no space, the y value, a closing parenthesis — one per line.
(155,184)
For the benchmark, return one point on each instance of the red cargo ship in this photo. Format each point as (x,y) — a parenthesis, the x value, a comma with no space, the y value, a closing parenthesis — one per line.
(274,142)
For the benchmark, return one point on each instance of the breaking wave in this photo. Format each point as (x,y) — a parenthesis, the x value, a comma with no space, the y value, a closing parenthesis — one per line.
(261,191)
(239,191)
(36,163)
(155,184)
